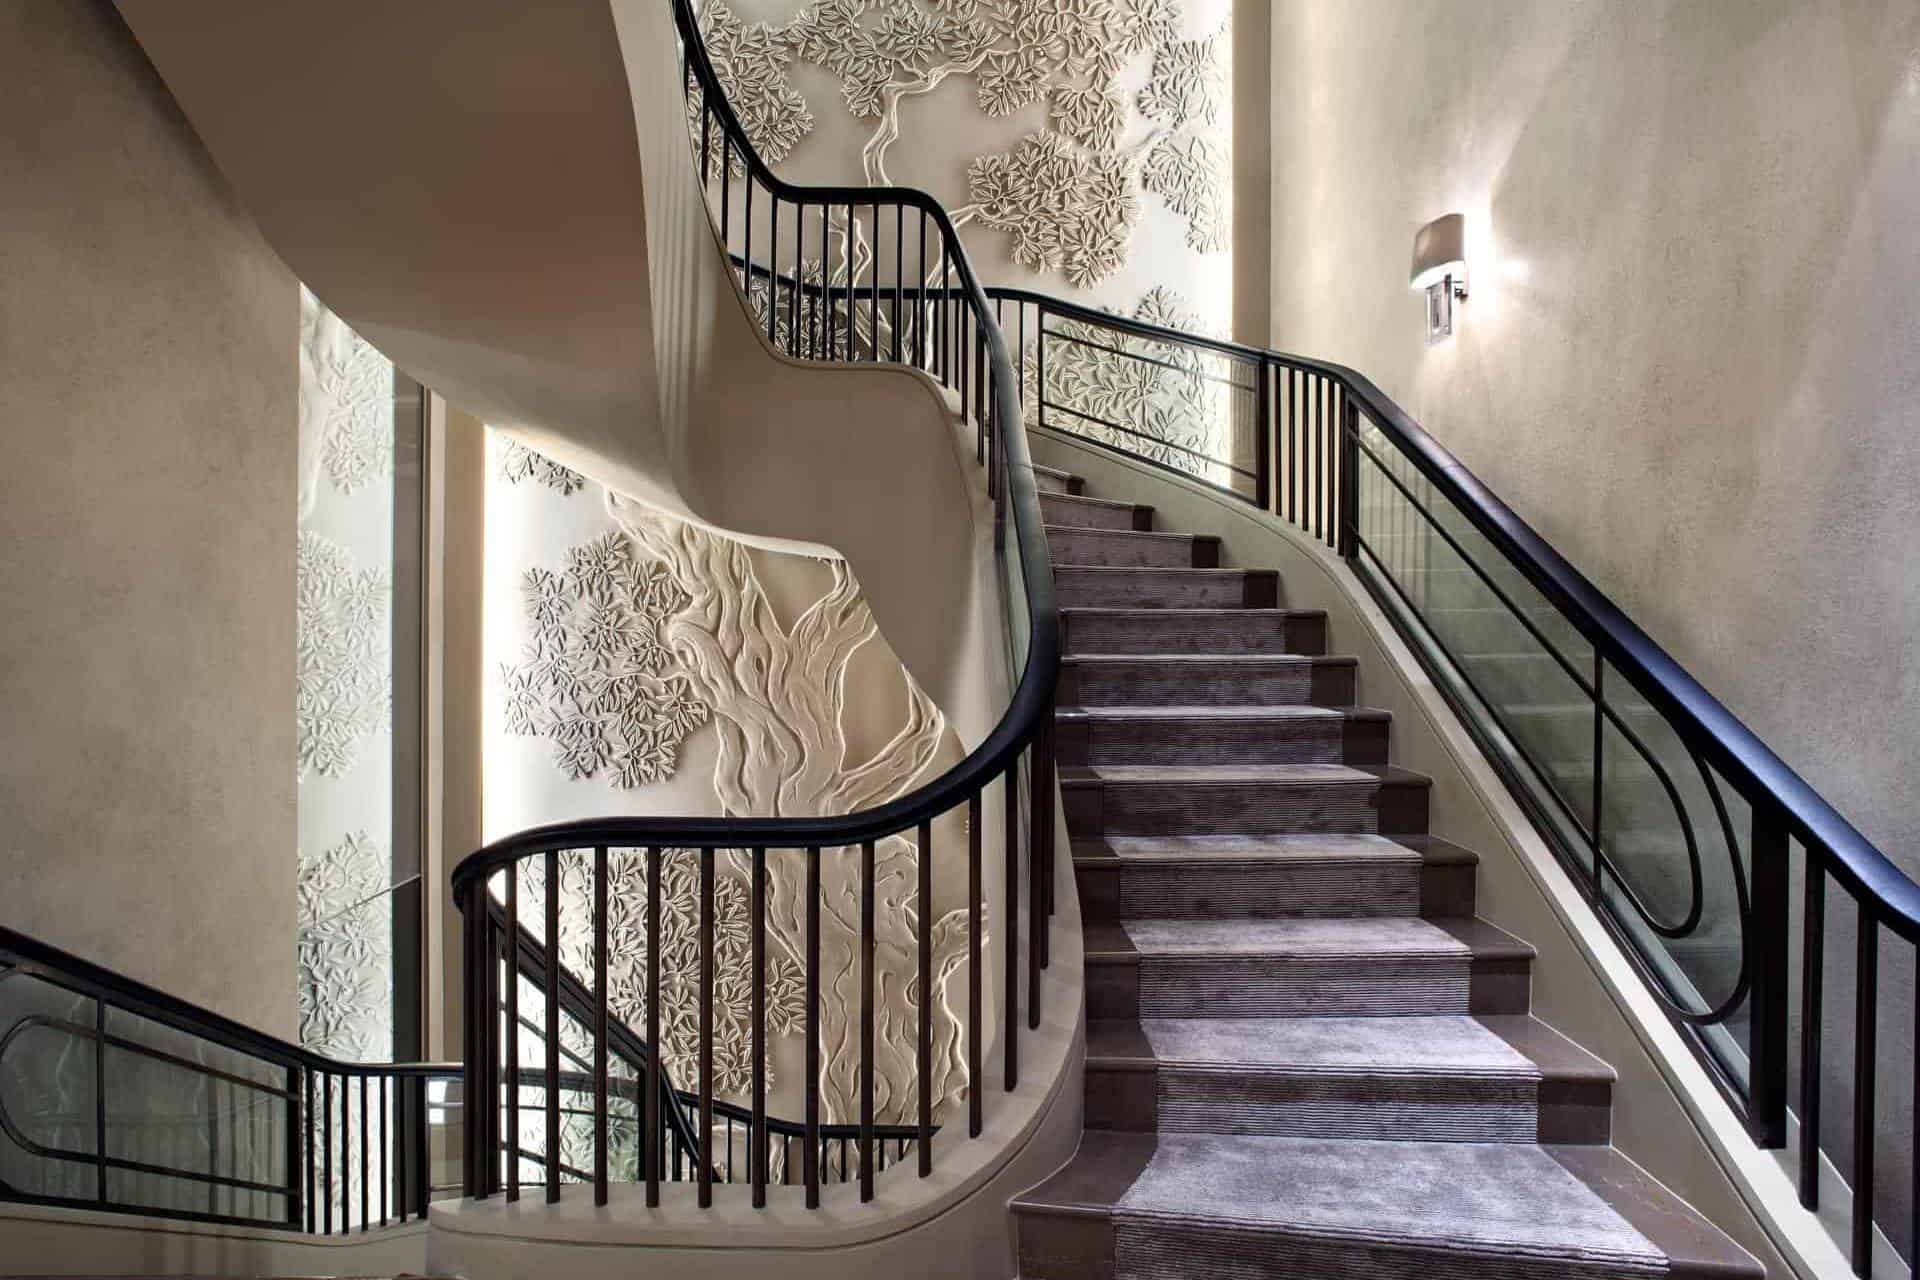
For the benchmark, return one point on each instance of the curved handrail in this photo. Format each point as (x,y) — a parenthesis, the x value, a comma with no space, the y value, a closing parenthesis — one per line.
(1027,710)
(1706,724)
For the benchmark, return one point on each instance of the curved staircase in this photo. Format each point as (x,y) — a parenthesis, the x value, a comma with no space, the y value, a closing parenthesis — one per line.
(1305,1055)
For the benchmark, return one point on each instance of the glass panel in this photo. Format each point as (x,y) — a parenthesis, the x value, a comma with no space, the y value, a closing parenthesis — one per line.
(47,1088)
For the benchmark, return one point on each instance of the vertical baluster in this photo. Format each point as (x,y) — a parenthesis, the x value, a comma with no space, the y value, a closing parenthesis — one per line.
(512,980)
(706,141)
(600,1025)
(799,280)
(899,266)
(813,1029)
(1036,887)
(551,964)
(706,1027)
(1866,1049)
(654,1134)
(757,1132)
(726,193)
(746,232)
(402,1148)
(305,1144)
(924,1060)
(1299,412)
(1765,940)
(873,294)
(346,1156)
(386,1159)
(818,326)
(326,1156)
(920,301)
(423,1146)
(1010,1028)
(866,1020)
(773,268)
(975,1032)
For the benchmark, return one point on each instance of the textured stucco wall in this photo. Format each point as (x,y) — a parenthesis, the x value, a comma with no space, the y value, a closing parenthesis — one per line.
(147,397)
(1692,351)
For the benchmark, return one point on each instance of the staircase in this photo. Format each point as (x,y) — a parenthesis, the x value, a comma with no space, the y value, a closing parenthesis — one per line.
(1305,1055)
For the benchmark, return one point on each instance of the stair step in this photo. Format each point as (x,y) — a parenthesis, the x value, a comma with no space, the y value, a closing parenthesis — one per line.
(1242,799)
(1447,1078)
(1078,511)
(1216,631)
(1222,735)
(1130,549)
(1302,967)
(1249,877)
(1053,480)
(1206,680)
(1157,1207)
(1076,586)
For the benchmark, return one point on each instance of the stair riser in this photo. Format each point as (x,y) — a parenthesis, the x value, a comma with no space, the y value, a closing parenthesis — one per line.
(1265,986)
(1063,509)
(1148,683)
(1124,550)
(1225,633)
(1250,808)
(1253,589)
(1314,1104)
(1055,482)
(1126,889)
(1290,740)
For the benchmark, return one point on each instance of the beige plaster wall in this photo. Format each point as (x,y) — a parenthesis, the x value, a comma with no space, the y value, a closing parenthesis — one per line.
(1692,349)
(147,399)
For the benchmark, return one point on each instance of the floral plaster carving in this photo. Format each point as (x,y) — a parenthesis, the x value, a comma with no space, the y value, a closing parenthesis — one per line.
(521,465)
(598,680)
(346,399)
(342,640)
(1067,195)
(1176,401)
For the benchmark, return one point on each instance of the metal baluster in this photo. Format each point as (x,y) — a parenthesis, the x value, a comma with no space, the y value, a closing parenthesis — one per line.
(326,1156)
(757,1132)
(1866,1047)
(1011,927)
(924,1063)
(746,224)
(799,281)
(975,1090)
(513,1031)
(1767,1028)
(899,267)
(726,209)
(773,268)
(386,1177)
(873,286)
(600,985)
(655,1134)
(305,1144)
(552,975)
(813,1029)
(866,1020)
(706,1027)
(402,1149)
(422,1136)
(920,301)
(1036,888)
(346,1157)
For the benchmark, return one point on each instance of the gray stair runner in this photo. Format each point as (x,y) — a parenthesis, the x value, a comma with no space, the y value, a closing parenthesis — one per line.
(1306,1057)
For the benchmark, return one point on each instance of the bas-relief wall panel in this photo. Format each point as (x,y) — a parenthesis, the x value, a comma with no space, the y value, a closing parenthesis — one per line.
(638,665)
(344,708)
(1689,357)
(1083,146)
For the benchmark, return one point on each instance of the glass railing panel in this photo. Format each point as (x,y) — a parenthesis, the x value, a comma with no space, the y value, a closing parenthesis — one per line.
(1510,655)
(48,1088)
(197,1127)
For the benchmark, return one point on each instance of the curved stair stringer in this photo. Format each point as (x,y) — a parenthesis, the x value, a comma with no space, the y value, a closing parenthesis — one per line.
(502,198)
(1668,1117)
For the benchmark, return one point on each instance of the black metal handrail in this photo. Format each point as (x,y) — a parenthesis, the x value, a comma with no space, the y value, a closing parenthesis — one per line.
(1321,429)
(938,320)
(386,1141)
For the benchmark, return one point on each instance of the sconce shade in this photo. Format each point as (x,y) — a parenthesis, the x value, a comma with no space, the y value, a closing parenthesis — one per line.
(1439,251)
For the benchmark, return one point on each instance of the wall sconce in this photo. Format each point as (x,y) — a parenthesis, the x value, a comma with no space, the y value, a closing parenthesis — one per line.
(1440,268)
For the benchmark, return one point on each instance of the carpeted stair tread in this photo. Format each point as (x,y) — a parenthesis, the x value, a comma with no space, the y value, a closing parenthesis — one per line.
(1054,480)
(1206,1205)
(1268,774)
(1370,937)
(1203,712)
(1079,511)
(1312,847)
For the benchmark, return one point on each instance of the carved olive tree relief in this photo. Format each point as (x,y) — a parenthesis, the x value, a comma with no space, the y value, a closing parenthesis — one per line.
(341,630)
(778,696)
(1067,195)
(597,679)
(521,465)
